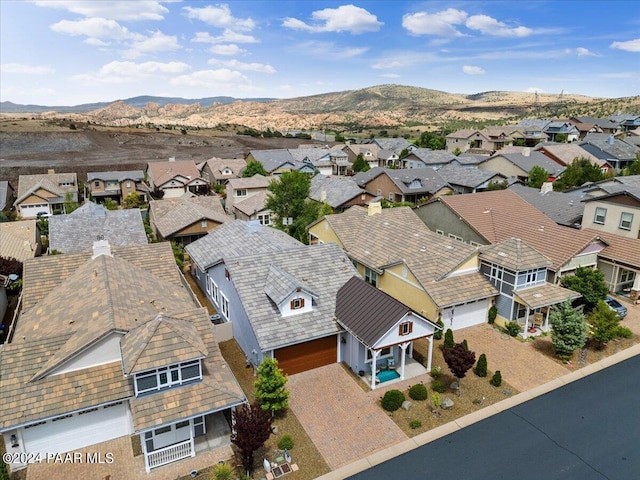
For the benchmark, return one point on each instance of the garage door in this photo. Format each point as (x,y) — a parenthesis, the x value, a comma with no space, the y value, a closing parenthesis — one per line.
(467,315)
(308,355)
(28,211)
(79,430)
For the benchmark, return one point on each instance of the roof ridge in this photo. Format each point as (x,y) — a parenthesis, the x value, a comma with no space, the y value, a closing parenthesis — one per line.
(157,319)
(172,323)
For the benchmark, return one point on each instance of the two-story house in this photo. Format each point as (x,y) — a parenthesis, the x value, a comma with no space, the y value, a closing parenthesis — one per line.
(219,170)
(239,190)
(520,164)
(113,343)
(45,193)
(617,213)
(339,193)
(117,185)
(175,177)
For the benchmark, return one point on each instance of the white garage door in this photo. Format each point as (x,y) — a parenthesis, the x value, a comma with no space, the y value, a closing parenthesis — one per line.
(28,211)
(467,315)
(78,431)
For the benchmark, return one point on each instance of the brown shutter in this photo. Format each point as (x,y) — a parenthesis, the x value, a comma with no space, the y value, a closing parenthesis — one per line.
(292,304)
(302,303)
(410,327)
(400,330)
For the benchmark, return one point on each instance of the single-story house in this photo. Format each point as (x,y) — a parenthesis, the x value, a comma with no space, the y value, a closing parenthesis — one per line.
(278,161)
(469,179)
(566,153)
(613,150)
(519,165)
(403,185)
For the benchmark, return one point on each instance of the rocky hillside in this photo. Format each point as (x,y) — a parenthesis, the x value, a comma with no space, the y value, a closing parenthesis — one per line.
(379,106)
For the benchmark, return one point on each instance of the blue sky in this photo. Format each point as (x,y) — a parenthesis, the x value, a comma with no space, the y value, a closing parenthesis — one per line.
(67,52)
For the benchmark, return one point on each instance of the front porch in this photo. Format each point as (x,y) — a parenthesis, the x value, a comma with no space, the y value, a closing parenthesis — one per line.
(412,369)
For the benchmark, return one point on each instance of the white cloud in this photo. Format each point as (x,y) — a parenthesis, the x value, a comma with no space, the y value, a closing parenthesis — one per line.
(219,16)
(96,42)
(473,70)
(229,50)
(389,75)
(629,45)
(157,42)
(490,26)
(440,23)
(346,18)
(100,28)
(26,69)
(210,78)
(534,90)
(228,36)
(584,52)
(128,72)
(115,10)
(235,64)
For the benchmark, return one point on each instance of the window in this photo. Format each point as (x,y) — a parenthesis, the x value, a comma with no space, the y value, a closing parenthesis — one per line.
(391,196)
(241,192)
(439,232)
(96,183)
(166,377)
(456,237)
(379,192)
(203,224)
(214,291)
(370,277)
(405,328)
(264,218)
(297,303)
(207,283)
(128,184)
(224,305)
(474,244)
(160,431)
(625,220)
(601,215)
(384,352)
(627,276)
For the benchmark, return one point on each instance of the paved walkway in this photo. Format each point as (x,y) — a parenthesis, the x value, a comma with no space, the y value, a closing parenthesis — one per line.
(343,421)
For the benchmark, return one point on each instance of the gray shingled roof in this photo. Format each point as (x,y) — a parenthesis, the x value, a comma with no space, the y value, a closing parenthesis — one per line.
(280,285)
(527,162)
(252,204)
(620,149)
(338,190)
(4,187)
(564,208)
(236,239)
(322,269)
(430,180)
(467,176)
(271,160)
(396,145)
(78,230)
(433,157)
(173,214)
(135,175)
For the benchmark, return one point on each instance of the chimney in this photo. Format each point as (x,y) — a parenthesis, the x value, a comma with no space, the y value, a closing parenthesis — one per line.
(101,247)
(526,152)
(546,187)
(323,196)
(610,140)
(373,208)
(51,171)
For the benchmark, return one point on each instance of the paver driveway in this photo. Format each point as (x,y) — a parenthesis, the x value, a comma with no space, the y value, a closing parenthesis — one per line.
(342,420)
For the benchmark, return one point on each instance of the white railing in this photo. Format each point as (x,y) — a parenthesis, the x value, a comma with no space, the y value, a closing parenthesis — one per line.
(170,454)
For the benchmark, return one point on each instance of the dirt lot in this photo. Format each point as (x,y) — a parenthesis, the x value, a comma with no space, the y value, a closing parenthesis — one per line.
(33,146)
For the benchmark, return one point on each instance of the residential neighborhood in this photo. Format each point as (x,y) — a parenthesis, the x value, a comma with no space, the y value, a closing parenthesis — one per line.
(141,308)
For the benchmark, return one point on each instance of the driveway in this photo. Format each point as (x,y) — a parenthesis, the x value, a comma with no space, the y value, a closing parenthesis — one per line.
(344,422)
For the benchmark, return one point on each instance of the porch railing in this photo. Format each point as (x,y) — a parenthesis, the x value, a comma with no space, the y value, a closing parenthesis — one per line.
(170,454)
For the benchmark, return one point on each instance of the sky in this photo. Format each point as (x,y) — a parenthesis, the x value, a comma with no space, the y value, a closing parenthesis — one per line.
(70,52)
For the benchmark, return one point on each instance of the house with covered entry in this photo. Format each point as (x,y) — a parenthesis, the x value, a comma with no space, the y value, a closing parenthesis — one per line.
(113,343)
(218,170)
(339,193)
(45,193)
(519,165)
(613,150)
(175,177)
(116,185)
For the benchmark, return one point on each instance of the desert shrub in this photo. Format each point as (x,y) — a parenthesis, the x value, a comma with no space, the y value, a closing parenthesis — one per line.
(481,366)
(413,424)
(392,400)
(438,386)
(448,339)
(223,471)
(435,371)
(513,328)
(623,332)
(496,380)
(438,333)
(435,398)
(493,313)
(418,392)
(286,442)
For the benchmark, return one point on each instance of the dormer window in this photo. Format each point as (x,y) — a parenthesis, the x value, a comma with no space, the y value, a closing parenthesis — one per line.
(167,377)
(297,303)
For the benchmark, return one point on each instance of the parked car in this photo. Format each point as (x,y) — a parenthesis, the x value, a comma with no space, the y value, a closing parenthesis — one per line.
(616,306)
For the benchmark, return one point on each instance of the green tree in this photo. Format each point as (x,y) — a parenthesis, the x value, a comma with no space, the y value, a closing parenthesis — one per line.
(634,168)
(448,339)
(569,330)
(271,393)
(496,185)
(253,168)
(251,428)
(110,204)
(69,204)
(432,140)
(537,176)
(457,151)
(360,164)
(459,360)
(588,282)
(580,171)
(561,137)
(133,200)
(604,324)
(481,366)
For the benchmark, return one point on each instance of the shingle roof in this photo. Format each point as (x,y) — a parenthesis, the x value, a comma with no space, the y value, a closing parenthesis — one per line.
(619,249)
(433,157)
(527,162)
(514,254)
(120,176)
(458,289)
(19,239)
(467,176)
(564,208)
(280,284)
(620,149)
(271,160)
(430,180)
(252,204)
(568,152)
(367,312)
(396,145)
(257,181)
(173,214)
(78,230)
(162,172)
(502,214)
(337,190)
(235,239)
(48,181)
(544,295)
(322,269)
(217,166)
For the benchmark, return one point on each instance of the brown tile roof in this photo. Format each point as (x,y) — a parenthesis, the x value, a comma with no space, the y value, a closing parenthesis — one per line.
(217,165)
(174,214)
(19,239)
(162,172)
(461,289)
(252,204)
(514,254)
(544,295)
(148,346)
(619,249)
(48,181)
(257,181)
(503,214)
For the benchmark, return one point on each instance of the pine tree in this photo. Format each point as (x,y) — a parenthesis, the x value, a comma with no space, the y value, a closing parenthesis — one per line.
(271,393)
(569,330)
(448,339)
(481,366)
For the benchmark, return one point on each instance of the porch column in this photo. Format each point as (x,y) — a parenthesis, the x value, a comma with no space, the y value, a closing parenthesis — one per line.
(193,446)
(144,452)
(403,347)
(546,319)
(526,322)
(374,359)
(430,354)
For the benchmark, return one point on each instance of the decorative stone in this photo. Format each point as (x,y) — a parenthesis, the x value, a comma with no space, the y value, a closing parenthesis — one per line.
(455,386)
(406,405)
(446,403)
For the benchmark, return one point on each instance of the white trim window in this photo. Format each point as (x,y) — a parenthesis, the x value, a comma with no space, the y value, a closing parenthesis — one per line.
(600,215)
(167,377)
(224,306)
(370,277)
(264,218)
(207,283)
(214,291)
(626,219)
(240,192)
(385,352)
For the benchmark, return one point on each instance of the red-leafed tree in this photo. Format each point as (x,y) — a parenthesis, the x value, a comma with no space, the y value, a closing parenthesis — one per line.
(459,360)
(252,427)
(9,265)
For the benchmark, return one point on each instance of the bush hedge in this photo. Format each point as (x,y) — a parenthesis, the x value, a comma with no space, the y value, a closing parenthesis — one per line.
(481,366)
(496,380)
(438,386)
(418,392)
(392,400)
(285,442)
(513,328)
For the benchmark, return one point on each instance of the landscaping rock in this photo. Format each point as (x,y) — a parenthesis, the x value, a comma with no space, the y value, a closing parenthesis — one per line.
(446,403)
(454,386)
(406,405)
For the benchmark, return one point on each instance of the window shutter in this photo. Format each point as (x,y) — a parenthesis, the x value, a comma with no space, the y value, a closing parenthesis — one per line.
(400,330)
(302,303)
(410,327)
(293,304)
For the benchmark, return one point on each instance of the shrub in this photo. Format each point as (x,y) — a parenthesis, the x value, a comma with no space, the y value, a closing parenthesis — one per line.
(448,339)
(418,392)
(513,328)
(438,386)
(223,471)
(435,371)
(286,442)
(623,332)
(496,380)
(481,366)
(435,398)
(437,335)
(493,313)
(465,345)
(415,424)
(392,400)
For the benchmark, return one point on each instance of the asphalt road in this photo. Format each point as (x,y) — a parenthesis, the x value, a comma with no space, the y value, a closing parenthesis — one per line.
(589,429)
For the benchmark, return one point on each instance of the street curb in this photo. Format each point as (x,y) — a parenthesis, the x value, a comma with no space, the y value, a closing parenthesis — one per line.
(458,424)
